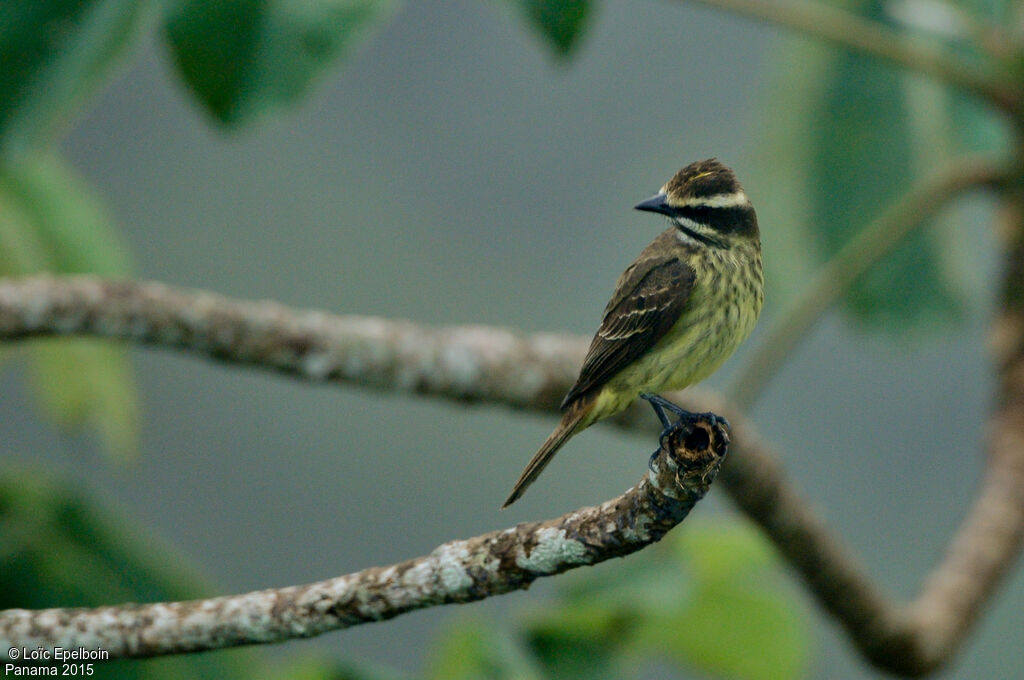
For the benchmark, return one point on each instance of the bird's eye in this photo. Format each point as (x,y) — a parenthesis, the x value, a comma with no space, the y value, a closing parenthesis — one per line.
(694,212)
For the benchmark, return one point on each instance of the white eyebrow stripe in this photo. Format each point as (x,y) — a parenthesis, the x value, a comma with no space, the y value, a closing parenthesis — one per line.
(735,200)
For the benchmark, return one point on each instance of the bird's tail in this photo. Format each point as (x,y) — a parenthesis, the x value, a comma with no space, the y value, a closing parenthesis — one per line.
(573,420)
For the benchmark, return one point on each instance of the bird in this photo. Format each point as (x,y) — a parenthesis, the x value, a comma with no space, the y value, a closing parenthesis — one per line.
(678,311)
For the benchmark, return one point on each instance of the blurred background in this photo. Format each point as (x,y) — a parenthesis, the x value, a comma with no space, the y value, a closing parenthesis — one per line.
(455,170)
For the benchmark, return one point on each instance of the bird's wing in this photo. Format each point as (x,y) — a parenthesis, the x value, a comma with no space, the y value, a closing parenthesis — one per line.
(649,298)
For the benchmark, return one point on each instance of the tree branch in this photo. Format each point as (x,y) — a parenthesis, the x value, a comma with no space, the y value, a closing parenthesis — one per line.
(459,571)
(843,28)
(868,246)
(990,538)
(533,372)
(468,363)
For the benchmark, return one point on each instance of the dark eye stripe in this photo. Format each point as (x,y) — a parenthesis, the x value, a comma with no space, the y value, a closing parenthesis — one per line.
(695,212)
(726,220)
(724,213)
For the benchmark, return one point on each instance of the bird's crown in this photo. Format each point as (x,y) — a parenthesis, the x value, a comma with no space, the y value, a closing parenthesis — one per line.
(701,180)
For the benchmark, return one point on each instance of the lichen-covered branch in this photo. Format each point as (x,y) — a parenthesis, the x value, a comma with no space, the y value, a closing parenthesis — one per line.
(533,372)
(462,363)
(460,571)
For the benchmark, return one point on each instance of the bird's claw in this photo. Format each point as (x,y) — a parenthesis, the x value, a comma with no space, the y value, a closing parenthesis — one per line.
(715,419)
(650,461)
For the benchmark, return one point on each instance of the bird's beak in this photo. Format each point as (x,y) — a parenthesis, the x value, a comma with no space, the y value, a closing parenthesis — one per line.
(658,204)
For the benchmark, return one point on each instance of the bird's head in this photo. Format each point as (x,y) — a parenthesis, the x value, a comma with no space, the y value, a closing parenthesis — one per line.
(705,202)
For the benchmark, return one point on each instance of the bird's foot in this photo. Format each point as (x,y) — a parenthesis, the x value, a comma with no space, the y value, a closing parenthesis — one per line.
(661,405)
(683,417)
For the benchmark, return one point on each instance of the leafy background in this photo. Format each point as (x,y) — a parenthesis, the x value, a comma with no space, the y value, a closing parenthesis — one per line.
(483,158)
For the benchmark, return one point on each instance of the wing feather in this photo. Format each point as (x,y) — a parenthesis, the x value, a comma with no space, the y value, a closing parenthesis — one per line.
(648,300)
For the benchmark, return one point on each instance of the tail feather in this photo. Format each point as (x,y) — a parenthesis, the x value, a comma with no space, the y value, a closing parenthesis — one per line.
(572,422)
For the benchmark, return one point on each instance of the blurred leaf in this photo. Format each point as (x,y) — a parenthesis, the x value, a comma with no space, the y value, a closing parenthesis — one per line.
(736,620)
(55,53)
(579,640)
(560,23)
(709,597)
(246,58)
(21,248)
(50,222)
(83,381)
(843,136)
(474,650)
(329,669)
(733,631)
(586,633)
(627,588)
(65,216)
(57,549)
(717,550)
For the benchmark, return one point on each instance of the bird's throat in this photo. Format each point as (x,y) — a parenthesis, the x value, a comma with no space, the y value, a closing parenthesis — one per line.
(697,236)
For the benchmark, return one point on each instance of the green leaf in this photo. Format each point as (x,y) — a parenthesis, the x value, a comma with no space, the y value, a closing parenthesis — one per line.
(84,382)
(64,215)
(736,620)
(58,549)
(54,54)
(560,23)
(327,669)
(627,589)
(579,640)
(844,136)
(709,597)
(740,632)
(473,650)
(50,222)
(586,634)
(247,58)
(717,550)
(22,249)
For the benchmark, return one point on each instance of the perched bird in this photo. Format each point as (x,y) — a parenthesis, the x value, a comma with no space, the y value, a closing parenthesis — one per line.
(680,310)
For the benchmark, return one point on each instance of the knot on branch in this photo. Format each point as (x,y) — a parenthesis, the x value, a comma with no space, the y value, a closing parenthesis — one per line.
(690,456)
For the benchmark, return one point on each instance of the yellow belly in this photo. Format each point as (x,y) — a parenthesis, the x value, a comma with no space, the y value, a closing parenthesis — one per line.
(721,313)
